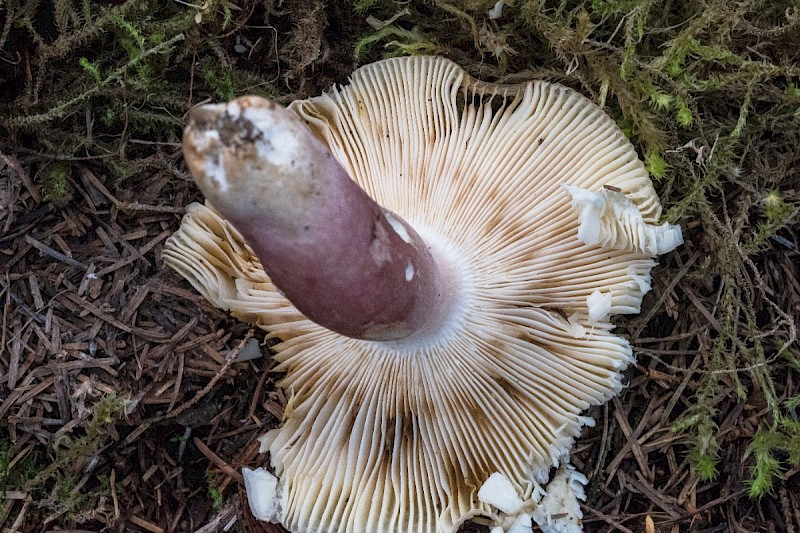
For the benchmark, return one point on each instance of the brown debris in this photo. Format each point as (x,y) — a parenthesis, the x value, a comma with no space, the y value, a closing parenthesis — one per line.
(89,312)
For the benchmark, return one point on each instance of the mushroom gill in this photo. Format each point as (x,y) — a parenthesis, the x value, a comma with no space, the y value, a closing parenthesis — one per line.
(502,184)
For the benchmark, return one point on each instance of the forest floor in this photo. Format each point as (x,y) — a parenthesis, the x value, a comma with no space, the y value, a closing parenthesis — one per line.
(123,403)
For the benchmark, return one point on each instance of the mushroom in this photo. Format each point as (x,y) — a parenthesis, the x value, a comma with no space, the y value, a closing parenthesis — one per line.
(441,258)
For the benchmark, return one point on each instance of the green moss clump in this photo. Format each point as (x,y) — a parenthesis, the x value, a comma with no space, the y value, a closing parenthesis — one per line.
(219,78)
(101,75)
(54,484)
(54,181)
(13,475)
(774,449)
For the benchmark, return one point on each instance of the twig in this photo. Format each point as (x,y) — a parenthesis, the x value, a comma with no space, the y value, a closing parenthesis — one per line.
(663,296)
(608,520)
(222,521)
(144,524)
(20,517)
(46,250)
(229,360)
(126,206)
(217,460)
(251,413)
(13,163)
(24,307)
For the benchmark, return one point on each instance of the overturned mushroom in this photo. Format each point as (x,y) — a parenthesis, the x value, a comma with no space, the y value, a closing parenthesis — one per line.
(466,314)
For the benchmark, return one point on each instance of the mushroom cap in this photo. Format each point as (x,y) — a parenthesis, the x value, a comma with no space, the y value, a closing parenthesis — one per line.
(399,436)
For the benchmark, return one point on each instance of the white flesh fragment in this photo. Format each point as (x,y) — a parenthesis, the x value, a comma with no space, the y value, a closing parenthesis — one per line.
(559,510)
(610,219)
(498,491)
(555,510)
(262,493)
(599,305)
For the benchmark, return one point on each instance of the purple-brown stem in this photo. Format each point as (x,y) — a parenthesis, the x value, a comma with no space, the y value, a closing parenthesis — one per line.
(341,259)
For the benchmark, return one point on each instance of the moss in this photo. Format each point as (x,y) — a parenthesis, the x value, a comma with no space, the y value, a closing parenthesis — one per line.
(217,499)
(14,475)
(775,213)
(54,182)
(219,78)
(101,75)
(656,165)
(55,484)
(775,449)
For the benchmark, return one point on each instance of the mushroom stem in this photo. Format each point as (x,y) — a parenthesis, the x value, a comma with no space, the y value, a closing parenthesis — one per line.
(344,261)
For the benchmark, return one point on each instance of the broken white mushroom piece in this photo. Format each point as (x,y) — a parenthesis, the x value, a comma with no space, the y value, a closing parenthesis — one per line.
(610,219)
(576,330)
(262,493)
(523,524)
(497,11)
(555,510)
(420,215)
(498,491)
(251,350)
(599,306)
(559,510)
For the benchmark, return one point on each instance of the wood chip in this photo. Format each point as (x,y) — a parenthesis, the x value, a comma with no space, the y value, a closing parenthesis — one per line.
(33,283)
(58,256)
(149,526)
(214,458)
(31,187)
